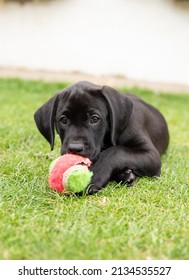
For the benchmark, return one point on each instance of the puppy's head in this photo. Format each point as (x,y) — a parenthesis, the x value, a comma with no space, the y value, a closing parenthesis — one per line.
(87,118)
(80,115)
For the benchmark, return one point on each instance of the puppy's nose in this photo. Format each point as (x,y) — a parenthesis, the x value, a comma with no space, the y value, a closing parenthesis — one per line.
(75,148)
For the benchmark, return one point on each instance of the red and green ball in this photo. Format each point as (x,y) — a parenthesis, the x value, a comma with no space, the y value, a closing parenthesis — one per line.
(70,173)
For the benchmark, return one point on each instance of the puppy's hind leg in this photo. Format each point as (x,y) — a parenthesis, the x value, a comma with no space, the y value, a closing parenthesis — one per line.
(125,176)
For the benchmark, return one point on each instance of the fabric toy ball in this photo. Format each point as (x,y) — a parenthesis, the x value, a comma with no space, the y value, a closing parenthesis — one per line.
(70,173)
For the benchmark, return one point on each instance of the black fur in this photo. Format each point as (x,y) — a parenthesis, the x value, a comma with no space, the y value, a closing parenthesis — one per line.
(123,135)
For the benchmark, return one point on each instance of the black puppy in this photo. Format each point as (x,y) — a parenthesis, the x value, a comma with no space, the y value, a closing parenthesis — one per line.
(120,133)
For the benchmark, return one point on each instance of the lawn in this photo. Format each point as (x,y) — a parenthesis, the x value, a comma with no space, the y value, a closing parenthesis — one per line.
(147,221)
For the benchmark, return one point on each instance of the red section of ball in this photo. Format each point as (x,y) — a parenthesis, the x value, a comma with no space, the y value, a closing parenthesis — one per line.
(60,165)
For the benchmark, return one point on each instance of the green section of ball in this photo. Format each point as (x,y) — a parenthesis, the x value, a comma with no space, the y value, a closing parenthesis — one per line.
(79,180)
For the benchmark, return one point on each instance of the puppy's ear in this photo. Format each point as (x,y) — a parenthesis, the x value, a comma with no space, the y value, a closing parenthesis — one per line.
(120,110)
(44,118)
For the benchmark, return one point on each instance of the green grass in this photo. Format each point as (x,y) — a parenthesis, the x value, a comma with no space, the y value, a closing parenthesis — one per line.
(147,221)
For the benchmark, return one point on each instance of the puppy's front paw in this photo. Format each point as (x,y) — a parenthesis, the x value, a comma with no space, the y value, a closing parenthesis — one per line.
(92,189)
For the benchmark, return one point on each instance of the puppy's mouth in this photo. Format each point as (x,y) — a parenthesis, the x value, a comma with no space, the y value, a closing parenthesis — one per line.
(95,157)
(92,156)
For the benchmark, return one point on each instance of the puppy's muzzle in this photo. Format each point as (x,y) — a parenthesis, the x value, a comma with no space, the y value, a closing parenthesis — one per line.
(75,148)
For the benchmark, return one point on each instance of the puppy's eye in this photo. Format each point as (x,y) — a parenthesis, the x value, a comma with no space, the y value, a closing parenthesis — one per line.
(63,119)
(94,119)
